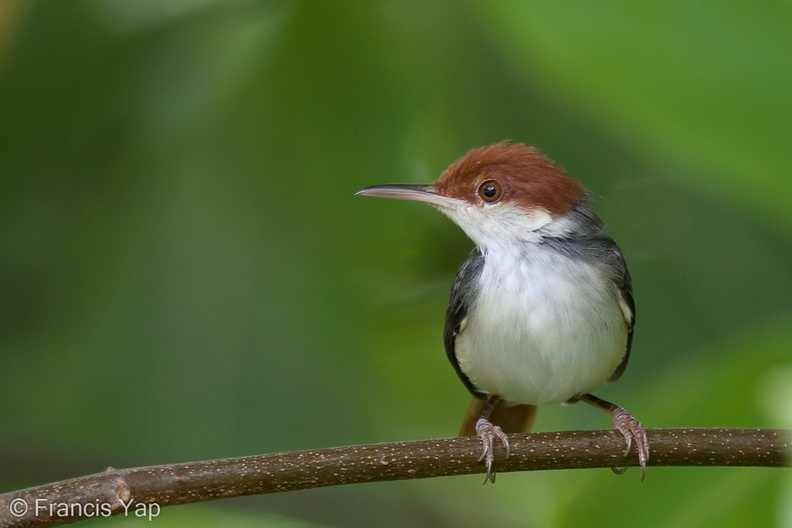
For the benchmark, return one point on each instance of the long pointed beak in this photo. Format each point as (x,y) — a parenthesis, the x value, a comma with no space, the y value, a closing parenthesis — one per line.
(403,191)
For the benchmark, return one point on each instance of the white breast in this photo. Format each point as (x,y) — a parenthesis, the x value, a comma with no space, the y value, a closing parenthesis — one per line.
(544,328)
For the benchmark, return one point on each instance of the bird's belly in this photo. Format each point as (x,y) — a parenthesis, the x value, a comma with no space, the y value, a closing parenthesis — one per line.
(542,341)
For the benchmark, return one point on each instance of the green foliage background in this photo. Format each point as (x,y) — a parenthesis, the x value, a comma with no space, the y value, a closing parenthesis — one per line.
(185,273)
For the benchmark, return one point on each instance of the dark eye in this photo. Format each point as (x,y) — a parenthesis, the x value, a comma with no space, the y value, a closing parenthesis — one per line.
(490,191)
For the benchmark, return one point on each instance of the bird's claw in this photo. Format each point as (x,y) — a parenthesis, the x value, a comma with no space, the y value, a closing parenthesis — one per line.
(488,432)
(633,431)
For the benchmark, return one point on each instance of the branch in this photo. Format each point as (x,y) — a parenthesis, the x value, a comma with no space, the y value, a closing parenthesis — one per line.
(142,491)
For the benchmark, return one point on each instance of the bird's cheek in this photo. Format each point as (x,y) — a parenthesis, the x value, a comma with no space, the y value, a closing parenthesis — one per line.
(515,224)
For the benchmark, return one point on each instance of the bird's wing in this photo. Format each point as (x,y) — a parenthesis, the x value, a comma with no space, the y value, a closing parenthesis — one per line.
(623,284)
(461,295)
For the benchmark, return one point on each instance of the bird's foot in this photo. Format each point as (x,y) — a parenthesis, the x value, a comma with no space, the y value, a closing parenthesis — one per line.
(633,431)
(488,432)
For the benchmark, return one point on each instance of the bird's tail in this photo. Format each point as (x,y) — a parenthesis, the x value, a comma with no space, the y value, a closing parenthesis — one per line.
(510,418)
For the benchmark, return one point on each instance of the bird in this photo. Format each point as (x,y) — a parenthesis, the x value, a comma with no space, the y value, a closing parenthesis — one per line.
(542,309)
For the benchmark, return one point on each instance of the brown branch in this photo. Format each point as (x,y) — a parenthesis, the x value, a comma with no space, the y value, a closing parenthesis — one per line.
(142,491)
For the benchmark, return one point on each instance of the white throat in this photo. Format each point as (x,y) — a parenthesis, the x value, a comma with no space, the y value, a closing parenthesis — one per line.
(498,223)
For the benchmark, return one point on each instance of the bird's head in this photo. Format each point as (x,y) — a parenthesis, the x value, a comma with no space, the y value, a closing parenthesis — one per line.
(497,194)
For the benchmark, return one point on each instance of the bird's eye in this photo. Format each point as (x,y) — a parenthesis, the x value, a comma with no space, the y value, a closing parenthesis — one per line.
(490,191)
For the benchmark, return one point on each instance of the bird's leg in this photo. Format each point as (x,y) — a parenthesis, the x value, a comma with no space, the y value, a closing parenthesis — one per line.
(628,426)
(487,432)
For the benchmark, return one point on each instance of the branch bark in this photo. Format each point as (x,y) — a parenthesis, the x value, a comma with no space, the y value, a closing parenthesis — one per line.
(144,490)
